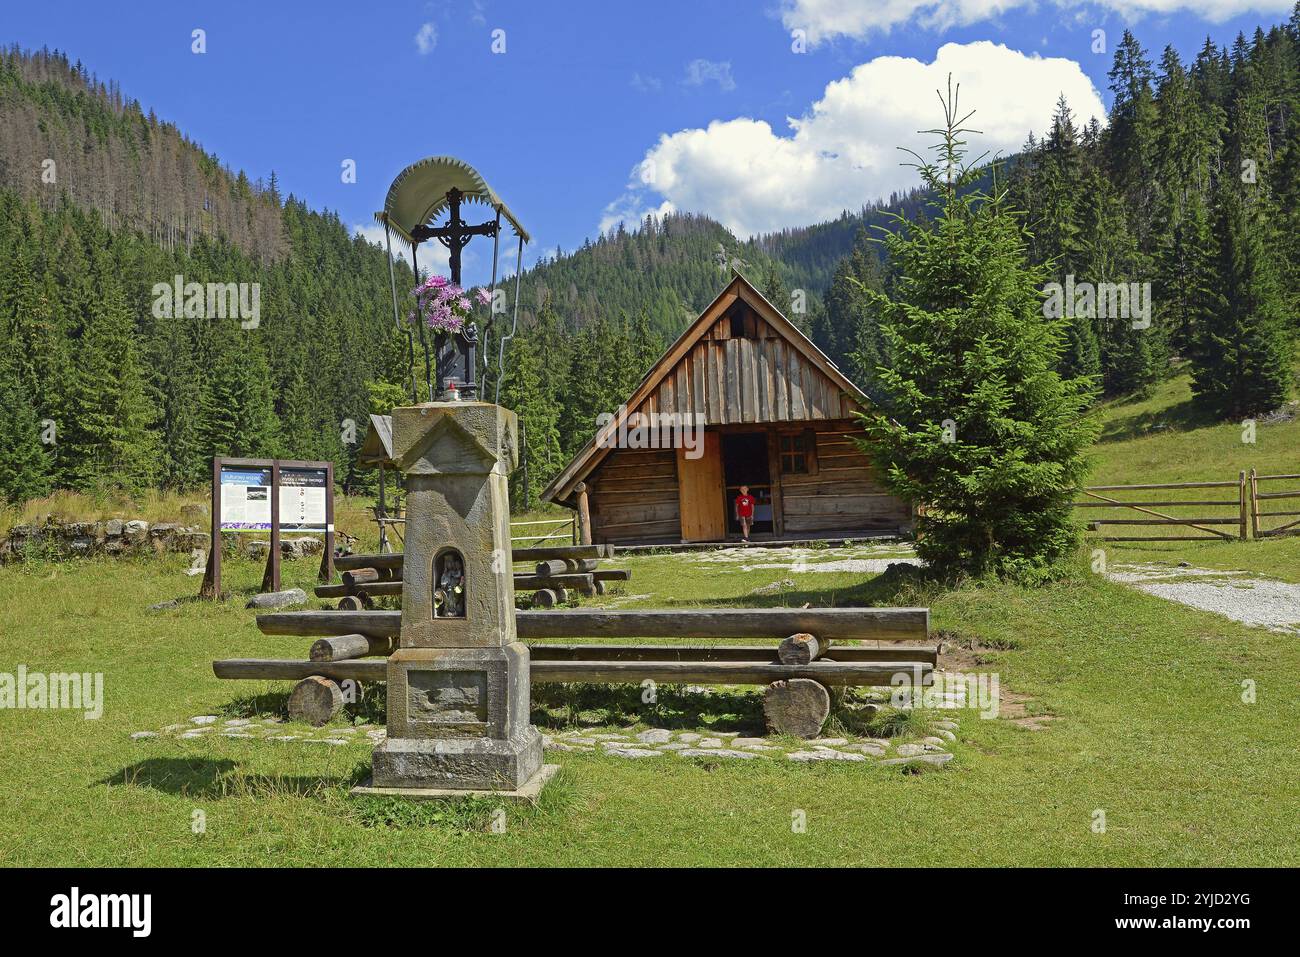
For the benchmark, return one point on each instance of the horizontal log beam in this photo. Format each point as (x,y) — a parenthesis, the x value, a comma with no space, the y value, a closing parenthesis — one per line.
(601,672)
(880,624)
(261,669)
(380,624)
(545,553)
(374,589)
(346,563)
(871,673)
(583,582)
(763,654)
(541,553)
(889,624)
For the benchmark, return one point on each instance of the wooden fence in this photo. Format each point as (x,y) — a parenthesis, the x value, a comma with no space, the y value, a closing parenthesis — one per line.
(551,530)
(1291,527)
(1221,515)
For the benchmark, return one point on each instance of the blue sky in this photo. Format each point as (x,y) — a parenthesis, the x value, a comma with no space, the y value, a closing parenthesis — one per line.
(597,111)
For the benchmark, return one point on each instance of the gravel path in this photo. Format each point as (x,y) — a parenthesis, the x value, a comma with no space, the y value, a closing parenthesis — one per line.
(1263,602)
(866,559)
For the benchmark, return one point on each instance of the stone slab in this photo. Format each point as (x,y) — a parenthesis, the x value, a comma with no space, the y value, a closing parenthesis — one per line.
(528,793)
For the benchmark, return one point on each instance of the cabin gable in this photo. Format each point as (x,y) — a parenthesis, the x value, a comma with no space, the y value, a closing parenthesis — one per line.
(742,369)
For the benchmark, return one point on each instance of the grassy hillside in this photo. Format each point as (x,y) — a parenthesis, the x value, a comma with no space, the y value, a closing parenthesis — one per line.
(1161,439)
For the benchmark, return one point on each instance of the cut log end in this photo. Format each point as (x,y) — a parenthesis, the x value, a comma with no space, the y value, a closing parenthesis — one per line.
(350,603)
(801,649)
(798,707)
(545,598)
(345,647)
(315,700)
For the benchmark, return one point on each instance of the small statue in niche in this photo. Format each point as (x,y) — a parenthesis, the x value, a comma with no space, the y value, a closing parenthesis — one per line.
(449,598)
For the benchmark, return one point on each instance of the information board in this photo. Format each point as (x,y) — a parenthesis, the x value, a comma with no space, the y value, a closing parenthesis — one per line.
(270,495)
(302,500)
(246,499)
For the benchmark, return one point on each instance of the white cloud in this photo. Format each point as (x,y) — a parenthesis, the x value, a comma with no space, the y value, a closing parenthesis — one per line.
(842,152)
(699,72)
(433,255)
(427,38)
(630,210)
(646,84)
(823,20)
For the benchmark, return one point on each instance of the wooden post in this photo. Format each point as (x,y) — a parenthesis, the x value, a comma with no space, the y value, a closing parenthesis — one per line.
(584,515)
(383,513)
(271,577)
(327,559)
(774,480)
(1241,495)
(211,587)
(1254,503)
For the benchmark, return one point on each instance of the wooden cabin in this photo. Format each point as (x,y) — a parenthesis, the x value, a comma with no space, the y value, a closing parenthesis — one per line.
(771,412)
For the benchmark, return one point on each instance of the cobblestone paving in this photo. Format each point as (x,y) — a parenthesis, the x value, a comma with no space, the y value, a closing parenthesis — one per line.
(634,744)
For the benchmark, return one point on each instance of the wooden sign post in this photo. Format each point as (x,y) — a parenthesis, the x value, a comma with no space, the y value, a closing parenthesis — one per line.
(251,495)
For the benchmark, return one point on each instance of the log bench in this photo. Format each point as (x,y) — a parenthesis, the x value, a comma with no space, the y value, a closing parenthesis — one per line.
(809,658)
(556,571)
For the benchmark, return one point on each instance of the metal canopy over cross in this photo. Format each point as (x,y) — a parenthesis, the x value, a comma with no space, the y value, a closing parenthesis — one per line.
(417,197)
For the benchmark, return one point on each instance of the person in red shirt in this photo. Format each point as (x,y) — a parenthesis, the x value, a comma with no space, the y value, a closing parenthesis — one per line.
(745,511)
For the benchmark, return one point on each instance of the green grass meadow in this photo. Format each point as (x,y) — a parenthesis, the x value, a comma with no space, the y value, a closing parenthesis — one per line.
(1114,701)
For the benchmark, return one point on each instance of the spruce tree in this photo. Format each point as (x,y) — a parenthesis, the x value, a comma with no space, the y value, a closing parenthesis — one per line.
(1131,134)
(525,392)
(979,427)
(591,391)
(112,411)
(24,465)
(1132,360)
(1242,358)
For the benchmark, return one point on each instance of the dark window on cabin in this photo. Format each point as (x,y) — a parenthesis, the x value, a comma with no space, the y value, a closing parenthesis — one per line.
(744,324)
(794,453)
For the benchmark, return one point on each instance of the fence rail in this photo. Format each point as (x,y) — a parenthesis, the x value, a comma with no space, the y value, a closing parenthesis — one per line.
(1256,496)
(560,528)
(1237,515)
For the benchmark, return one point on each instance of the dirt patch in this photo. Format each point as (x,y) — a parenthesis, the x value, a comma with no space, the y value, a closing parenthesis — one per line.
(1015,709)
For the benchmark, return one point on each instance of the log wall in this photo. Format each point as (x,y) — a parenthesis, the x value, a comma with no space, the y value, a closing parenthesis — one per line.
(633,496)
(842,494)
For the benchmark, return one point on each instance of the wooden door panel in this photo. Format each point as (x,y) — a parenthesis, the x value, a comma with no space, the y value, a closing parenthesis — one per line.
(699,489)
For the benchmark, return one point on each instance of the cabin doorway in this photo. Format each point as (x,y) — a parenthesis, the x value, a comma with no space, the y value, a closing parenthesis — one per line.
(744,462)
(699,478)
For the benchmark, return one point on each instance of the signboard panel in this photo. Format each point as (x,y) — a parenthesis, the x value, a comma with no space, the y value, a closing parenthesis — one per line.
(270,495)
(302,500)
(245,499)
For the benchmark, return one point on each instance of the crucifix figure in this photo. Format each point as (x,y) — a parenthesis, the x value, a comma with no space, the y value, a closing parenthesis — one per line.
(455,352)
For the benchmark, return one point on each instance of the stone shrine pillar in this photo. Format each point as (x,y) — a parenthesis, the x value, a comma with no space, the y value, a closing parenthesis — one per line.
(458,684)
